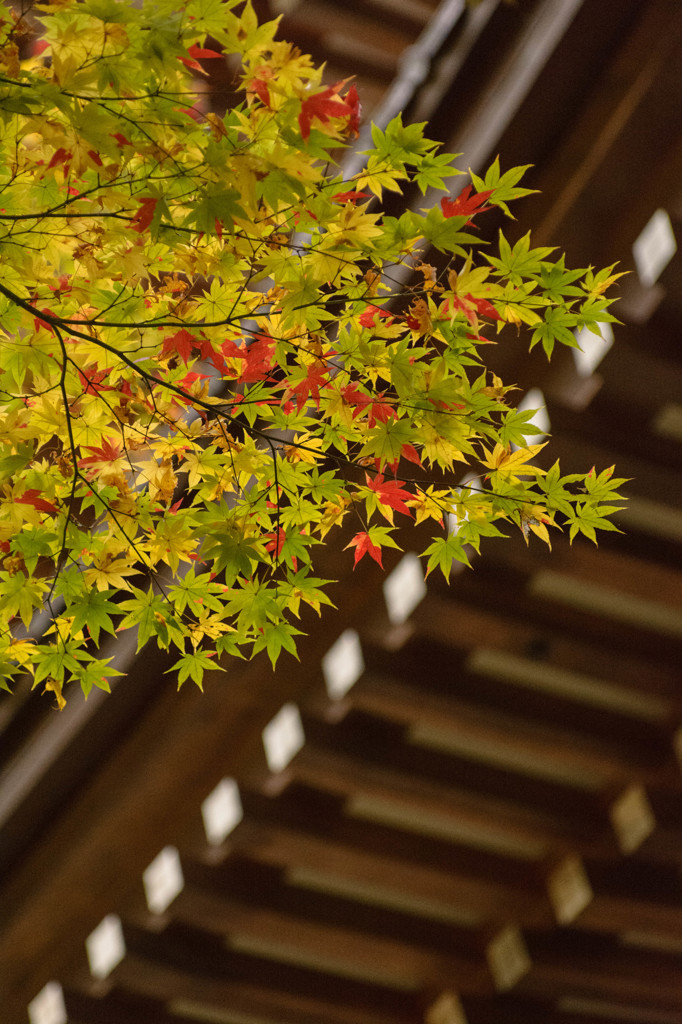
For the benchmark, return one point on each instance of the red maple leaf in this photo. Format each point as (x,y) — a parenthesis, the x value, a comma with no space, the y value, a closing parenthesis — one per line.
(179,344)
(201,54)
(231,350)
(32,497)
(352,395)
(108,452)
(259,86)
(309,388)
(45,324)
(484,307)
(91,378)
(186,383)
(368,318)
(380,410)
(350,197)
(362,542)
(257,359)
(192,112)
(409,452)
(470,306)
(144,215)
(196,53)
(37,47)
(389,492)
(60,156)
(275,542)
(323,106)
(465,205)
(62,285)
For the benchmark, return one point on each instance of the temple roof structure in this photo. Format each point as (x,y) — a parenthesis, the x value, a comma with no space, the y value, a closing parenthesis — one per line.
(464,805)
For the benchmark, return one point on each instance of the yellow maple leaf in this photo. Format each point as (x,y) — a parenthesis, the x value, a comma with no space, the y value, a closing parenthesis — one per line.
(54,686)
(513,463)
(430,504)
(534,518)
(332,516)
(109,575)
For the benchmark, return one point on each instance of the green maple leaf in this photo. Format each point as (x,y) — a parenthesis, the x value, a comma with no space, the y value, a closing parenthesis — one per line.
(276,637)
(192,666)
(94,610)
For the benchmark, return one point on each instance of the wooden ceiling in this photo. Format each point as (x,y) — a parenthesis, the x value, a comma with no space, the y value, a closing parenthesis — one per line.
(486,827)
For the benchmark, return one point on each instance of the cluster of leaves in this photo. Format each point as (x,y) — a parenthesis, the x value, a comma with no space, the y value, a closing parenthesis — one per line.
(207,361)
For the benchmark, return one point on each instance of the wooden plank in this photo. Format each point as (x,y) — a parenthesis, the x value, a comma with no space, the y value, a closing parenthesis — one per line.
(264,887)
(118,1008)
(456,814)
(590,596)
(434,874)
(196,975)
(474,729)
(383,745)
(632,895)
(619,688)
(514,1008)
(577,964)
(293,937)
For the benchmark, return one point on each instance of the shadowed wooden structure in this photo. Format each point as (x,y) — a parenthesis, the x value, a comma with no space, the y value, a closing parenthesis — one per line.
(468,805)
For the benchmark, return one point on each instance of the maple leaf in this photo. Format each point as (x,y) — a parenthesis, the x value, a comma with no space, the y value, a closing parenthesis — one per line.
(106,573)
(200,53)
(257,359)
(410,453)
(144,215)
(196,53)
(466,204)
(32,497)
(351,196)
(261,90)
(91,378)
(181,344)
(380,410)
(44,324)
(483,306)
(275,542)
(316,377)
(60,156)
(362,542)
(253,255)
(323,106)
(419,317)
(532,519)
(390,495)
(108,462)
(513,463)
(353,396)
(368,318)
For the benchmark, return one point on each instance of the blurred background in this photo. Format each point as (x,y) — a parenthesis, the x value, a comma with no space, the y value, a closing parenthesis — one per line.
(464,806)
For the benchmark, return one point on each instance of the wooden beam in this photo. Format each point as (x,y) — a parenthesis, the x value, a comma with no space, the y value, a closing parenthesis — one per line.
(625,85)
(196,975)
(434,873)
(573,963)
